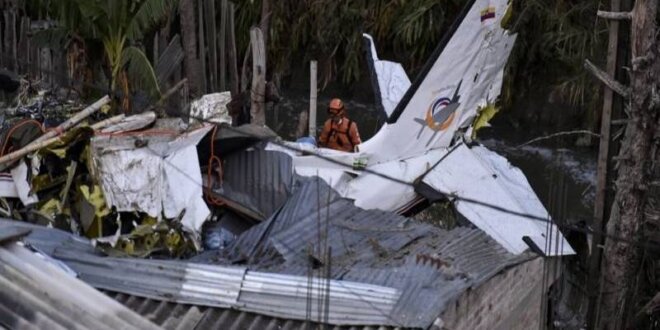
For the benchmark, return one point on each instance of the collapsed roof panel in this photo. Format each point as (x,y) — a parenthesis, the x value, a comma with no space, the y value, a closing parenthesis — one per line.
(36,293)
(259,179)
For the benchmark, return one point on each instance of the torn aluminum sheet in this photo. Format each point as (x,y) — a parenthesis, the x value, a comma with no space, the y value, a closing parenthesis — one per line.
(155,174)
(20,176)
(211,108)
(479,174)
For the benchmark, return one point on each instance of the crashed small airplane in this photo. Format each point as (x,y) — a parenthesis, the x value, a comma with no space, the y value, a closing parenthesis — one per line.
(439,160)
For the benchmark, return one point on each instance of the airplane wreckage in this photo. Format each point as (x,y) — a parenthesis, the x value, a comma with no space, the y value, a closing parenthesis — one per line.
(138,186)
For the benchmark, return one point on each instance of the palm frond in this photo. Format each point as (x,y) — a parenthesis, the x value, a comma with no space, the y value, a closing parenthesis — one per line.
(140,69)
(147,14)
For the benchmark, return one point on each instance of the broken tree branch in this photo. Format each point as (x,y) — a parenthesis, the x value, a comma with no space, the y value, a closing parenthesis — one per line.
(108,122)
(624,15)
(18,154)
(556,135)
(614,85)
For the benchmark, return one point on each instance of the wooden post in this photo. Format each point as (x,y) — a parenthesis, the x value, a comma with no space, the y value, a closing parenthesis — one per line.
(233,60)
(14,43)
(601,178)
(312,98)
(222,76)
(189,39)
(258,89)
(211,38)
(265,20)
(202,48)
(622,259)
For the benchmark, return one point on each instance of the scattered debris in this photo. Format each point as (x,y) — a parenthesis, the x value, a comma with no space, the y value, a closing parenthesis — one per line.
(133,184)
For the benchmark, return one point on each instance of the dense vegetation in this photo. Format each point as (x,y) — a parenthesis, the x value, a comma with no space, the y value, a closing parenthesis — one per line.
(555,36)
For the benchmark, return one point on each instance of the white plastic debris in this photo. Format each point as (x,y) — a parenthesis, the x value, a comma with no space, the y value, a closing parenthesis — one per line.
(211,108)
(155,174)
(20,176)
(7,186)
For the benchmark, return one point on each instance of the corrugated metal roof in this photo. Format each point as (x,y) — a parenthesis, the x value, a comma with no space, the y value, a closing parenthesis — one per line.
(179,316)
(417,268)
(430,266)
(285,296)
(36,294)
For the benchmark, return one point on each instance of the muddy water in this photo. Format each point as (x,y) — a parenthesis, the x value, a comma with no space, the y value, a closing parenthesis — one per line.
(545,164)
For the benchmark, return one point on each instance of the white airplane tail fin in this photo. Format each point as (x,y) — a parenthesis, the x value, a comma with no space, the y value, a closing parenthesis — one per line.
(463,74)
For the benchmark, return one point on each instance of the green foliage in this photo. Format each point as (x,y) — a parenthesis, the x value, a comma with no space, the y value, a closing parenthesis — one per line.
(119,25)
(554,39)
(555,36)
(331,32)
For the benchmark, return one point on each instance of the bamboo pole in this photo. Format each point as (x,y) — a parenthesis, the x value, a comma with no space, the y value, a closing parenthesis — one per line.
(312,98)
(108,122)
(604,156)
(32,147)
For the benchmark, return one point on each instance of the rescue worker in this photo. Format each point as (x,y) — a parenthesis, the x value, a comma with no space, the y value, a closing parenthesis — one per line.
(339,132)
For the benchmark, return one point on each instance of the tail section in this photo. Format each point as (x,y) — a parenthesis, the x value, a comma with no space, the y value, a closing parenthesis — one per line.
(463,74)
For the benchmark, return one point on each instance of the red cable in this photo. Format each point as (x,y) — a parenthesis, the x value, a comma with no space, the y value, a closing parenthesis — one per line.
(15,127)
(209,172)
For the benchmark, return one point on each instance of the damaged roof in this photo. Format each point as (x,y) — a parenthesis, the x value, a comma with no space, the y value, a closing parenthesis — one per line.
(35,292)
(384,269)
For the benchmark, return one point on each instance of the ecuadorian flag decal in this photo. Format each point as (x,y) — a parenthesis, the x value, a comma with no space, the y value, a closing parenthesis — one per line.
(487,13)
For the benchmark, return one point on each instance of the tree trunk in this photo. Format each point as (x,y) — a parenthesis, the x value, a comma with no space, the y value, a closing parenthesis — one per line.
(258,88)
(621,259)
(264,25)
(189,35)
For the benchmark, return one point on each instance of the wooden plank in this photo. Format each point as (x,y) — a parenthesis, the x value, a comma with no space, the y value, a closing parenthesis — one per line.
(222,75)
(602,168)
(258,88)
(202,48)
(233,60)
(211,41)
(14,41)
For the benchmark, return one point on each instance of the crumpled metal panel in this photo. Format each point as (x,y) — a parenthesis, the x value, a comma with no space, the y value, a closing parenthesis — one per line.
(270,294)
(262,178)
(159,279)
(35,293)
(175,316)
(277,295)
(430,266)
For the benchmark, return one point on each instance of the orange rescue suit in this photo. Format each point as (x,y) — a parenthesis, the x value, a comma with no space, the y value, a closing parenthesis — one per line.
(340,135)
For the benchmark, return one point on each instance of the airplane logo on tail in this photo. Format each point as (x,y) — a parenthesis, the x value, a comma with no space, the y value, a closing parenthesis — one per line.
(441,113)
